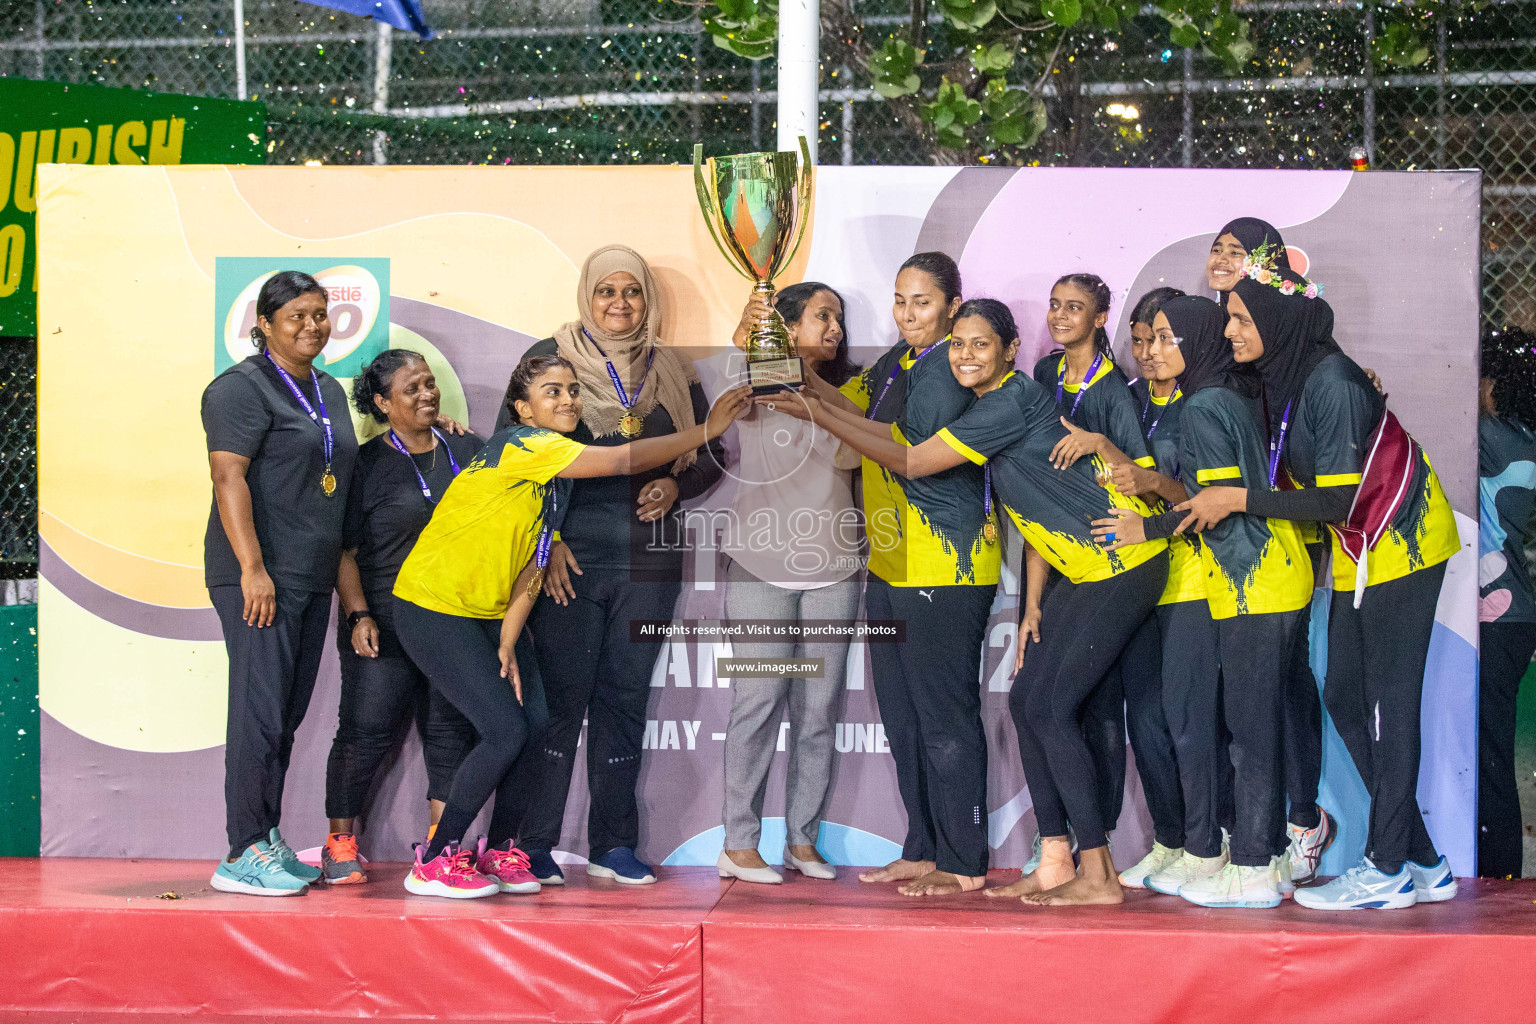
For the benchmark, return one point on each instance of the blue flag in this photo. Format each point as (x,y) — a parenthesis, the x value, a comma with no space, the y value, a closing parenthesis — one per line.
(403,14)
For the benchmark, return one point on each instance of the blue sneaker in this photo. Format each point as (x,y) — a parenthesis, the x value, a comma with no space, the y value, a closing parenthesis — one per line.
(622,866)
(258,872)
(1434,883)
(290,860)
(1362,887)
(544,868)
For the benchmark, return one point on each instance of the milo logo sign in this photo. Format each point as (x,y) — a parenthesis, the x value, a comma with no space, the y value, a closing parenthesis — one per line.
(357,298)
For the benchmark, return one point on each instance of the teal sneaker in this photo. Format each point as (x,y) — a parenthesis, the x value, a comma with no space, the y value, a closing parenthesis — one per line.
(290,860)
(258,872)
(1432,882)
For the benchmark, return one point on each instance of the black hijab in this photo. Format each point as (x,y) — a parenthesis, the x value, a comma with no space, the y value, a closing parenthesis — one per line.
(1208,361)
(1297,333)
(1252,233)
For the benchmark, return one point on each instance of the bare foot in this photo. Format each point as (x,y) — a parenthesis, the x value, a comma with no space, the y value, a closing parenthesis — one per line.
(898,871)
(746,858)
(1056,868)
(941,883)
(1096,884)
(807,854)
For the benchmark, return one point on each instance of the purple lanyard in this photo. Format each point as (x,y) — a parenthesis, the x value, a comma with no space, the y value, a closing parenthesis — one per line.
(426,491)
(1148,407)
(897,369)
(322,418)
(1277,444)
(986,484)
(1082,389)
(613,375)
(546,535)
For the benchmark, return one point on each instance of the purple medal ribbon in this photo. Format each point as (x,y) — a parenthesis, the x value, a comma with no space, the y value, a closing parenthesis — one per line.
(618,385)
(1082,389)
(546,535)
(322,418)
(1148,407)
(892,378)
(1276,445)
(453,463)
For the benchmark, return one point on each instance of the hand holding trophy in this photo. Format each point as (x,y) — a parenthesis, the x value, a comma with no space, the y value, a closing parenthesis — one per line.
(756,206)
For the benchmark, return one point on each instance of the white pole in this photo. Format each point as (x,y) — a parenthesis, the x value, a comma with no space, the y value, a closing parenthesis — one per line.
(383,51)
(799,46)
(240,92)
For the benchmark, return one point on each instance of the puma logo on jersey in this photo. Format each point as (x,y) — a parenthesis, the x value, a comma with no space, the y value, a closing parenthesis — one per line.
(928,594)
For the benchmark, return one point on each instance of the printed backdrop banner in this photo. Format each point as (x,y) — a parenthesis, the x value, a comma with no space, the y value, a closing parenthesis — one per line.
(473,265)
(47,122)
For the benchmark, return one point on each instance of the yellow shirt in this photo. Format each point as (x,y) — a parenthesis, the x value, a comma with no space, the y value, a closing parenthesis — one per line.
(488,524)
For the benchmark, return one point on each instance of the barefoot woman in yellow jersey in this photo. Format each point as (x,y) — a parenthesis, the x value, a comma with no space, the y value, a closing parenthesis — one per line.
(467,586)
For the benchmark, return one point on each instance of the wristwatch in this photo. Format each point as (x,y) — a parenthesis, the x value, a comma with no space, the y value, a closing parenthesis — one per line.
(355,617)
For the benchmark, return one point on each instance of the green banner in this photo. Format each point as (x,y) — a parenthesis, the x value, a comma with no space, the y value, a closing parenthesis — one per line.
(48,122)
(19,818)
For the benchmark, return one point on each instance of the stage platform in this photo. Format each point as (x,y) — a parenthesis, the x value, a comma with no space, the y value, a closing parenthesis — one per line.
(94,941)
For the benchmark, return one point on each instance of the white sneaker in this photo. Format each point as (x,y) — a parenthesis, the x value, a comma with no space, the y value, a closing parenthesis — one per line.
(1433,883)
(1281,863)
(1362,887)
(730,869)
(1235,886)
(1186,869)
(1307,847)
(1157,858)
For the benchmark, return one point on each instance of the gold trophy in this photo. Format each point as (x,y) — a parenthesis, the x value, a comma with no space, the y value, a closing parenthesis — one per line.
(756,206)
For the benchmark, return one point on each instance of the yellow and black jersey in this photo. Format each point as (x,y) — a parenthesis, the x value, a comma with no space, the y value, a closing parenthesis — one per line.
(1013,428)
(927,532)
(1105,406)
(1326,445)
(487,526)
(1160,420)
(1252,565)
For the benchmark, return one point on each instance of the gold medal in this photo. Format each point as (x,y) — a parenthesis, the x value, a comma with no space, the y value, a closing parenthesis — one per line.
(990,532)
(328,483)
(631,425)
(535,584)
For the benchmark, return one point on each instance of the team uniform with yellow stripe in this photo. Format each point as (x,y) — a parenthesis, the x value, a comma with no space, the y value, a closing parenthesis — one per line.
(487,526)
(1106,407)
(1162,419)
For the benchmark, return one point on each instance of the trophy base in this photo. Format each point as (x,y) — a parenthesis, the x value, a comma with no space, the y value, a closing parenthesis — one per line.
(771,376)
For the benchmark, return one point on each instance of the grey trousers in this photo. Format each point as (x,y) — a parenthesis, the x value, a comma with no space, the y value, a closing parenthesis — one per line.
(756,709)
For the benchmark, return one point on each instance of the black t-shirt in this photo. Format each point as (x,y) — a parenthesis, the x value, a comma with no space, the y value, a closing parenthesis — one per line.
(602,527)
(1107,406)
(248,410)
(386,510)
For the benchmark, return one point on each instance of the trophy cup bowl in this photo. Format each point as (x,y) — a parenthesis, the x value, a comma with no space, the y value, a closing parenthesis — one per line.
(756,206)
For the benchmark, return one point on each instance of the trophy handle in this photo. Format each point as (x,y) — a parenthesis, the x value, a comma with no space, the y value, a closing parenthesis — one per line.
(709,203)
(806,196)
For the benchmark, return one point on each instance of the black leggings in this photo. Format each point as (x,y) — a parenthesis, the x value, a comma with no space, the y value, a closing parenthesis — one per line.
(1157,762)
(378,697)
(459,655)
(1255,664)
(1302,719)
(930,703)
(1376,657)
(1083,629)
(1192,703)
(1504,655)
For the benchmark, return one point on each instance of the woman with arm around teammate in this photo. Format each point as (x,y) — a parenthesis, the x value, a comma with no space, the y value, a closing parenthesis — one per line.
(465,591)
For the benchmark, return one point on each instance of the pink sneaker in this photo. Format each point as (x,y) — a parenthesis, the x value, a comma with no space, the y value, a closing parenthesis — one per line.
(508,868)
(451,873)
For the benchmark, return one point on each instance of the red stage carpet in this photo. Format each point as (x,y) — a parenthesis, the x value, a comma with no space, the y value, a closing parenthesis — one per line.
(91,941)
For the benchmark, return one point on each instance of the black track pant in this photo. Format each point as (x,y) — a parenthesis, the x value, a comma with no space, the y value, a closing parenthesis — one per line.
(1255,663)
(1103,723)
(1157,764)
(1504,655)
(459,655)
(929,694)
(1376,656)
(1192,703)
(378,697)
(1302,724)
(593,671)
(271,678)
(1083,629)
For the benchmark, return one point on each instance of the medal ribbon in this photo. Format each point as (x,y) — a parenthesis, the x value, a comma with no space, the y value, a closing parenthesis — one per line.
(618,385)
(546,535)
(986,488)
(453,463)
(1082,389)
(1148,407)
(1277,444)
(322,419)
(892,378)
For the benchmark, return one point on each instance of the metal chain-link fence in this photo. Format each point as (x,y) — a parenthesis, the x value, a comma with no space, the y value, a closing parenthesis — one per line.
(638,81)
(18,458)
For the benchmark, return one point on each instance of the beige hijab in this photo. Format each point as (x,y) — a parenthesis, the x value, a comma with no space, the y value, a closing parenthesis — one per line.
(670,374)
